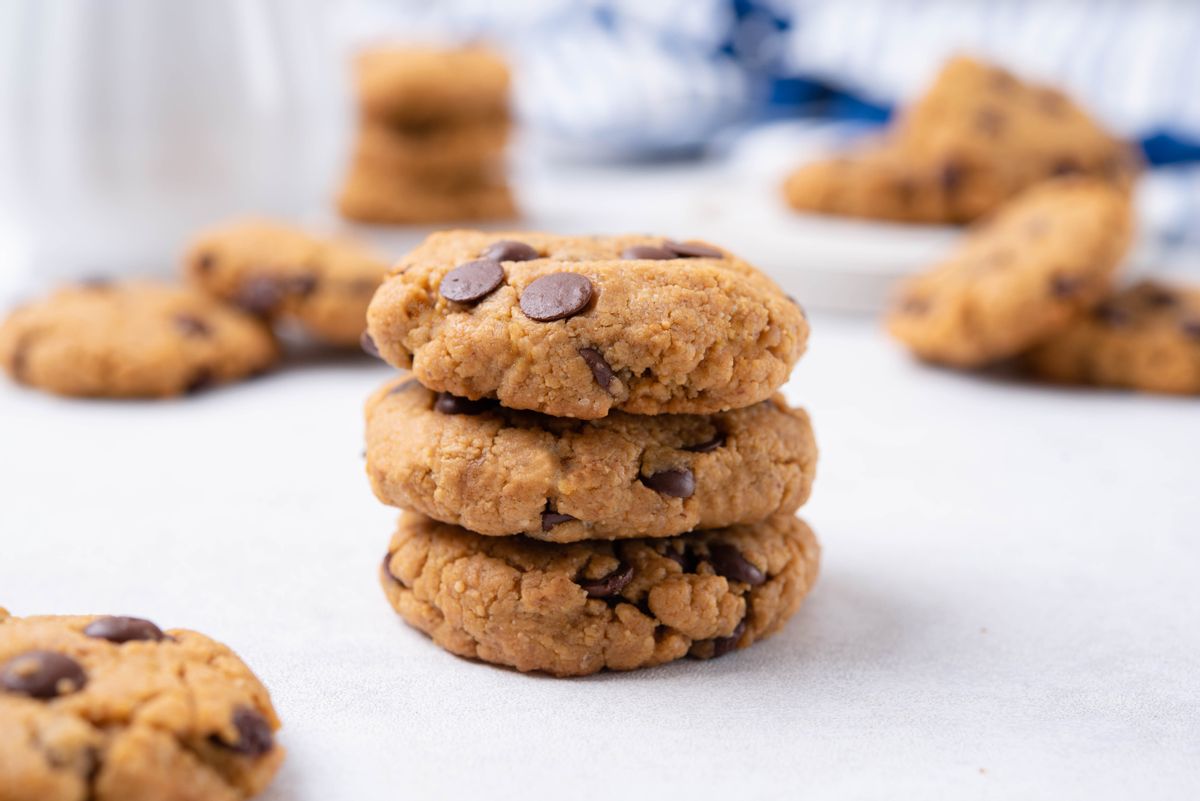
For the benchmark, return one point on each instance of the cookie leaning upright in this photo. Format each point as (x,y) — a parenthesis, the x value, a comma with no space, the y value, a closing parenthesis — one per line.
(579,326)
(115,709)
(1019,277)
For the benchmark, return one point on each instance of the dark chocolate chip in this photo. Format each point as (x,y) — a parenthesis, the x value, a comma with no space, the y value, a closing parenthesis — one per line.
(609,585)
(729,562)
(683,558)
(1159,297)
(387,569)
(259,294)
(472,282)
(693,250)
(123,629)
(205,262)
(990,121)
(510,250)
(203,379)
(1066,166)
(600,370)
(300,285)
(552,519)
(1111,315)
(1190,329)
(192,326)
(723,645)
(678,483)
(1064,286)
(42,674)
(653,252)
(403,386)
(555,296)
(453,404)
(255,737)
(367,343)
(952,177)
(708,445)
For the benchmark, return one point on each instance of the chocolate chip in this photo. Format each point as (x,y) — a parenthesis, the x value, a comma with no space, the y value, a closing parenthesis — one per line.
(1066,166)
(708,445)
(472,282)
(510,250)
(367,343)
(42,674)
(609,585)
(192,326)
(205,262)
(255,737)
(299,285)
(673,483)
(453,404)
(552,519)
(387,569)
(952,177)
(989,120)
(555,296)
(729,562)
(653,252)
(202,379)
(693,250)
(1064,286)
(123,629)
(1190,328)
(1159,297)
(1111,315)
(684,558)
(259,294)
(600,370)
(404,386)
(723,645)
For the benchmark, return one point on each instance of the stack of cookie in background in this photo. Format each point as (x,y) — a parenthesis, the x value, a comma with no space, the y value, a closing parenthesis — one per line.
(597,470)
(433,126)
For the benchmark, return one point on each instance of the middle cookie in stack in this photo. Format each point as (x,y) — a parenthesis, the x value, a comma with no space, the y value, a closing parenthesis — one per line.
(665,535)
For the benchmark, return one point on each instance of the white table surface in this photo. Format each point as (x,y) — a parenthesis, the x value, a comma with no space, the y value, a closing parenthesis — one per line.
(1009,605)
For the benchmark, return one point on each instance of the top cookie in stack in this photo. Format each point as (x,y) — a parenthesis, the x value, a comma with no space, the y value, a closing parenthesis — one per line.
(614,398)
(433,128)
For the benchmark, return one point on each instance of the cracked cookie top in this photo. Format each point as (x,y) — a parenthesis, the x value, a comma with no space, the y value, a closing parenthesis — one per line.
(576,326)
(498,471)
(116,709)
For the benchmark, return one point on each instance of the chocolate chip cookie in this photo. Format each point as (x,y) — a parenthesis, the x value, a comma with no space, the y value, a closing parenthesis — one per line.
(1019,278)
(575,609)
(370,194)
(132,340)
(1145,337)
(497,471)
(115,709)
(410,87)
(977,137)
(578,326)
(433,153)
(283,273)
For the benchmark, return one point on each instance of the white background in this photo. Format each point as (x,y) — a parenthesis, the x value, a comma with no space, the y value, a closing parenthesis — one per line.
(1008,606)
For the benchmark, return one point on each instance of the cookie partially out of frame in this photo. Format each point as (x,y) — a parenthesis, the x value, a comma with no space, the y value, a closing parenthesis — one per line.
(579,608)
(500,472)
(133,339)
(578,326)
(115,709)
(1145,337)
(1018,278)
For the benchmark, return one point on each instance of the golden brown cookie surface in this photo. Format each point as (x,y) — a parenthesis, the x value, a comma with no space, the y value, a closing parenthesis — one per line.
(132,339)
(1145,337)
(414,86)
(500,472)
(576,326)
(280,272)
(1019,277)
(114,709)
(575,609)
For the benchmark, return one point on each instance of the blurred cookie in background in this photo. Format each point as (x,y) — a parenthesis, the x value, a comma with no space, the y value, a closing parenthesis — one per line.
(1145,337)
(434,125)
(1020,277)
(978,137)
(283,273)
(132,339)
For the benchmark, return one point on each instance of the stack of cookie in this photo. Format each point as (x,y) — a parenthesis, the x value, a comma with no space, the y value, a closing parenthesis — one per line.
(433,129)
(597,470)
(978,137)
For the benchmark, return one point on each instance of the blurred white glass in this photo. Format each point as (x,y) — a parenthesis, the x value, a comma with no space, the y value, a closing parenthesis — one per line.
(127,124)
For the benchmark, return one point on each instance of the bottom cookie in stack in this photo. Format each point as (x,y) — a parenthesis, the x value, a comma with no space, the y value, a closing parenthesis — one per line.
(578,608)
